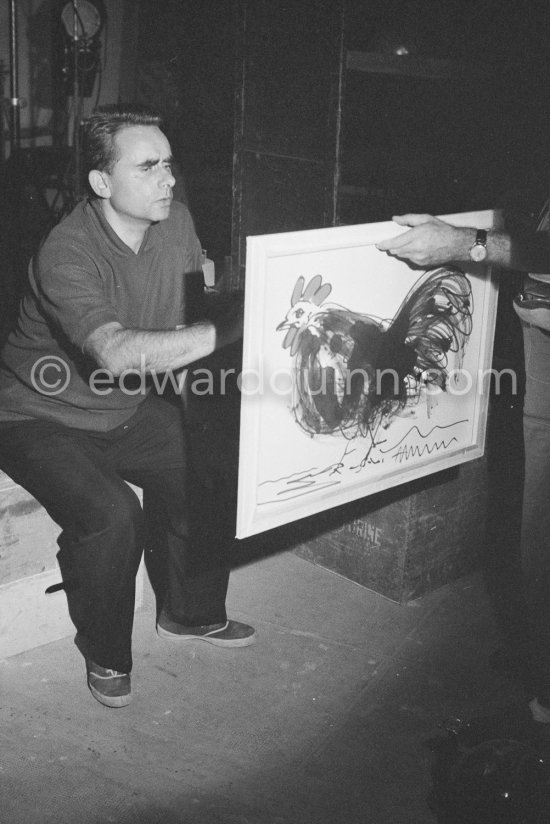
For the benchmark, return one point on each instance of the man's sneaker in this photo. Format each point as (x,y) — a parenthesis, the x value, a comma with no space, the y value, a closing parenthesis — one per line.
(108,686)
(227,634)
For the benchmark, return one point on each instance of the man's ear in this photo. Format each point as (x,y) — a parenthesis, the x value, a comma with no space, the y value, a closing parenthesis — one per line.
(99,183)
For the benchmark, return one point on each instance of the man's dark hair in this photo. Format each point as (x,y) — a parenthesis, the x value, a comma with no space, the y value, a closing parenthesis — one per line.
(101,128)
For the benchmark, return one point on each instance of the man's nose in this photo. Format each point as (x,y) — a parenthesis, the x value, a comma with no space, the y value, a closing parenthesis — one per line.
(168,179)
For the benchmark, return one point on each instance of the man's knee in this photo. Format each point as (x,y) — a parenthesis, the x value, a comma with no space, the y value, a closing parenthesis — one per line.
(113,509)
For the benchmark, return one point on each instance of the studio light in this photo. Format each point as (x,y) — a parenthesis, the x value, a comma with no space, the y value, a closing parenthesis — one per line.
(82,22)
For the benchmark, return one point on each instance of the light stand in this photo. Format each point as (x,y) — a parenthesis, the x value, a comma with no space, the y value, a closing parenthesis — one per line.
(14,91)
(83,21)
(76,105)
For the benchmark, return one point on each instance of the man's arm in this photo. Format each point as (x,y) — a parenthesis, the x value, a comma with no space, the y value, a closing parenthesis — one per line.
(117,349)
(432,242)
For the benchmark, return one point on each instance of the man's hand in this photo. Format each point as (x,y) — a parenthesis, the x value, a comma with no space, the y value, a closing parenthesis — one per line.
(429,242)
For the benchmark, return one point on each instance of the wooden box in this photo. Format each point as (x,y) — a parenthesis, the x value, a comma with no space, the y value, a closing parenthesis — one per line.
(410,540)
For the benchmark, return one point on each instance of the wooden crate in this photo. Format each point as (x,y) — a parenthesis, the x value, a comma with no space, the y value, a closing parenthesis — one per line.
(410,540)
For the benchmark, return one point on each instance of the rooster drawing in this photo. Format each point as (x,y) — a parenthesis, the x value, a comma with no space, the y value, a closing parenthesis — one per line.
(352,372)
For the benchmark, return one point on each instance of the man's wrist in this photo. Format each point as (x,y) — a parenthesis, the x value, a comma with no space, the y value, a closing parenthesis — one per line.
(477,252)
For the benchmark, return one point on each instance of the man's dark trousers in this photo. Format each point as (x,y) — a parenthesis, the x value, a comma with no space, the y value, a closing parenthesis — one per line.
(79,477)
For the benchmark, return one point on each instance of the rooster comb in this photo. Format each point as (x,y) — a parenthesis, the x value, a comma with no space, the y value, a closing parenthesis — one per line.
(316,291)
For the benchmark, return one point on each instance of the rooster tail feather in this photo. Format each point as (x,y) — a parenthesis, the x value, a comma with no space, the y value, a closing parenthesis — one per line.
(435,319)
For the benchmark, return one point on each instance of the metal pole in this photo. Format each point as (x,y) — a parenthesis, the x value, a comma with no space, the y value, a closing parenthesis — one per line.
(76,104)
(14,98)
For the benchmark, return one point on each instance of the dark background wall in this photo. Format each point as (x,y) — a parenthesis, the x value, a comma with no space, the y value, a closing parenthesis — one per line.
(292,115)
(467,122)
(185,65)
(279,123)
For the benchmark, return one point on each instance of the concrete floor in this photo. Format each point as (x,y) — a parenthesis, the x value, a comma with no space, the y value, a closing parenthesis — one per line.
(322,720)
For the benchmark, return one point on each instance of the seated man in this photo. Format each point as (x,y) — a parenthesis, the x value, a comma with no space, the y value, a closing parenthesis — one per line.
(105,303)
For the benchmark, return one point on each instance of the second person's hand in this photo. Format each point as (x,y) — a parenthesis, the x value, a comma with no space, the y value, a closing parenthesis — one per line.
(429,241)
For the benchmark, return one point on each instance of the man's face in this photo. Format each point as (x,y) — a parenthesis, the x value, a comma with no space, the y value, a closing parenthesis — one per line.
(140,184)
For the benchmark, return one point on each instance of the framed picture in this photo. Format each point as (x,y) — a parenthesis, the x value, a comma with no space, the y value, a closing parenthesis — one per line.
(359,372)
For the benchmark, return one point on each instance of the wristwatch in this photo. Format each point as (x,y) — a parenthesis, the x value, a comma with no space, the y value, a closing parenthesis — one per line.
(478,252)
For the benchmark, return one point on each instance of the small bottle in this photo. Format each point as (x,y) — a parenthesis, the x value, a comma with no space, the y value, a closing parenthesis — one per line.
(209,271)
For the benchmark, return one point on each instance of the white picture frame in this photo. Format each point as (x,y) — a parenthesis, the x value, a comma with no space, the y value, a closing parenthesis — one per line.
(309,438)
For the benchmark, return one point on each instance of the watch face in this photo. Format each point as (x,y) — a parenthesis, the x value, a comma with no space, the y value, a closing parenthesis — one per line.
(478,252)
